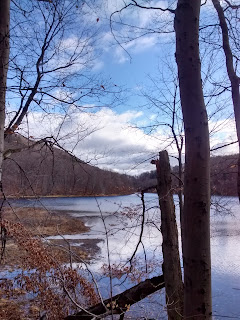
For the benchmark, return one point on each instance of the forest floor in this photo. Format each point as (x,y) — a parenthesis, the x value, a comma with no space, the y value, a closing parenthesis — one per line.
(23,225)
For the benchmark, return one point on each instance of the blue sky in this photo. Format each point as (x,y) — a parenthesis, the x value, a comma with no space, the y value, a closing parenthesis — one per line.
(115,138)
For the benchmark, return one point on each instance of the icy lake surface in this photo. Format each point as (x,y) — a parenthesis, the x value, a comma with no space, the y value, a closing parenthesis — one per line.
(122,217)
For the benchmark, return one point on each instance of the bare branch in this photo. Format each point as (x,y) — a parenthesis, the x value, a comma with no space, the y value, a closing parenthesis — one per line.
(152,8)
(142,228)
(223,146)
(232,6)
(122,302)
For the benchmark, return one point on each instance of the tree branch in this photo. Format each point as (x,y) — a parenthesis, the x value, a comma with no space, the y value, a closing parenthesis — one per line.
(232,6)
(223,146)
(151,8)
(121,302)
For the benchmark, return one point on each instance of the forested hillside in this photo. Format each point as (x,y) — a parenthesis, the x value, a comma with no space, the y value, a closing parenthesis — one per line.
(45,170)
(223,176)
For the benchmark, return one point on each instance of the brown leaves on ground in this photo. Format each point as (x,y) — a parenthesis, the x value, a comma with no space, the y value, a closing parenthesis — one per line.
(40,224)
(10,310)
(53,287)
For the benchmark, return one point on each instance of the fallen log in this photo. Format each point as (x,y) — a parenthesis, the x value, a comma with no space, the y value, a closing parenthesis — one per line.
(121,303)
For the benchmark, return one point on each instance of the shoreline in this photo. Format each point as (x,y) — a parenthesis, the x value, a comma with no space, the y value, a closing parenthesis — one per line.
(40,224)
(94,196)
(70,196)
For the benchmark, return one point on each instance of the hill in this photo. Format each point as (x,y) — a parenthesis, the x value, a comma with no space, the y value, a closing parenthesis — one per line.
(41,169)
(223,170)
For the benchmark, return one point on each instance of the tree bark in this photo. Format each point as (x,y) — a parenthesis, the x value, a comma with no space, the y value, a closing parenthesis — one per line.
(196,233)
(4,60)
(121,302)
(234,79)
(171,260)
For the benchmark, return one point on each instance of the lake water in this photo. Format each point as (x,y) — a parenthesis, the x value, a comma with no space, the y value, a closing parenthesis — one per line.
(119,219)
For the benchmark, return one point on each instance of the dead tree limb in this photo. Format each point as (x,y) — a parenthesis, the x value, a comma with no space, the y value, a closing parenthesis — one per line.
(121,302)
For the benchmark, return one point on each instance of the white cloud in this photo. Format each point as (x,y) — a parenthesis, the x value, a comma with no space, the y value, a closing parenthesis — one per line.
(111,140)
(134,30)
(223,132)
(141,16)
(145,17)
(97,65)
(107,40)
(136,46)
(105,138)
(114,5)
(120,55)
(70,44)
(74,54)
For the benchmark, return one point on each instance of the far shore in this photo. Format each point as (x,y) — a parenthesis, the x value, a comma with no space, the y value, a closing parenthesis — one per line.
(95,195)
(71,196)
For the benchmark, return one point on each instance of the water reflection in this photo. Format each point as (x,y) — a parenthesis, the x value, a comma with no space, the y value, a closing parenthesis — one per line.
(123,235)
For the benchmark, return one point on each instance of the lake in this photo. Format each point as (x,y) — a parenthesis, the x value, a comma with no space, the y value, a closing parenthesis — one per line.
(119,219)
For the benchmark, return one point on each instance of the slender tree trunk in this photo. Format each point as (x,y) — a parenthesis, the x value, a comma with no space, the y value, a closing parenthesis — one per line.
(171,260)
(234,79)
(4,59)
(180,192)
(196,233)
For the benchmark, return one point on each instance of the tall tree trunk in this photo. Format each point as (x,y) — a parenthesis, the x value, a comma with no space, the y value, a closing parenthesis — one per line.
(4,59)
(180,191)
(234,79)
(196,233)
(171,260)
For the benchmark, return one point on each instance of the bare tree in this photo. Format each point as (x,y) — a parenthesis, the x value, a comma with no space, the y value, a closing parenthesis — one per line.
(196,220)
(171,258)
(196,239)
(164,101)
(4,58)
(50,65)
(51,72)
(51,62)
(231,68)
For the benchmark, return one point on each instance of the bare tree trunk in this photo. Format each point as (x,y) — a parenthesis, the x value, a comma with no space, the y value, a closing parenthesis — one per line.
(196,233)
(121,302)
(180,189)
(171,260)
(234,79)
(4,59)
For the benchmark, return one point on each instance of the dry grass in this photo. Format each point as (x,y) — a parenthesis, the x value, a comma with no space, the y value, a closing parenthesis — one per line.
(27,247)
(45,223)
(42,223)
(10,310)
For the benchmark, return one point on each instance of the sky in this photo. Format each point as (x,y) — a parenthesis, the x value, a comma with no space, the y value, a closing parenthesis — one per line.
(120,138)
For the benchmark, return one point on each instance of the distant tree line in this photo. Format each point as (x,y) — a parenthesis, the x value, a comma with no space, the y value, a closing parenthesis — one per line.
(43,170)
(223,173)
